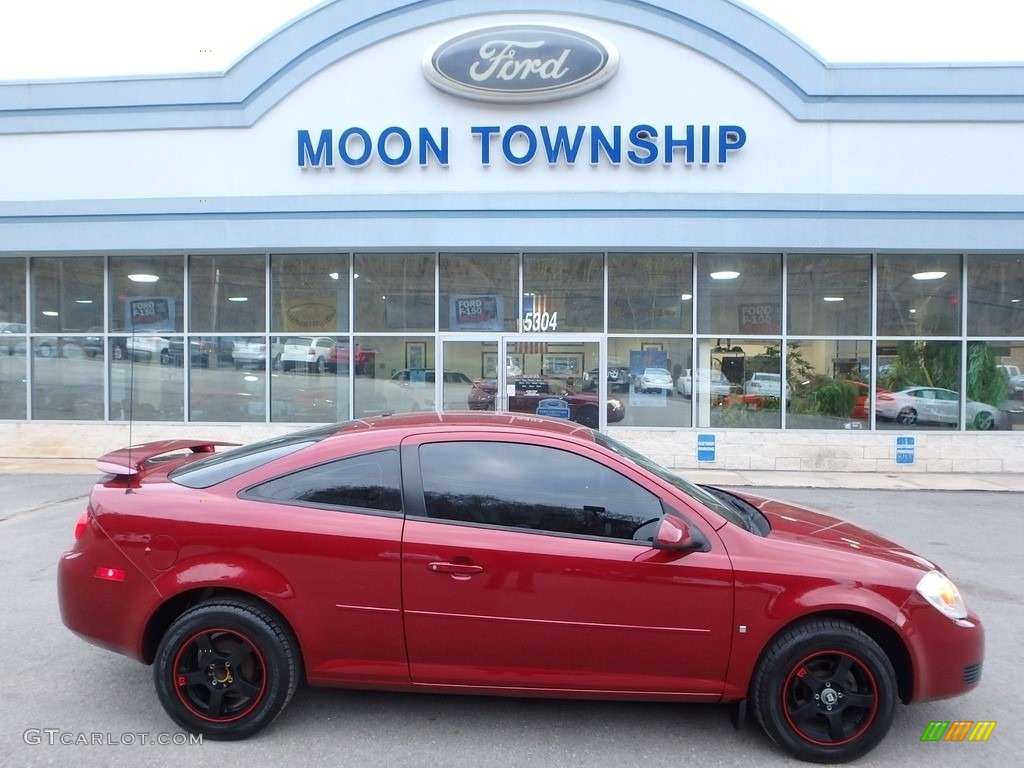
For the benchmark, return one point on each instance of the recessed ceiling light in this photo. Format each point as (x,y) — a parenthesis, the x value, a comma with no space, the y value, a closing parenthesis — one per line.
(834,298)
(929,275)
(725,275)
(334,275)
(143,278)
(83,301)
(51,313)
(238,298)
(686,297)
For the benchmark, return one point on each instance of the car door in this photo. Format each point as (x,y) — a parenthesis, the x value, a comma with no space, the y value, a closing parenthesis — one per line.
(520,570)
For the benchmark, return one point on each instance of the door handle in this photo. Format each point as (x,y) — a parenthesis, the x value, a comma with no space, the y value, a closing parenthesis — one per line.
(456,569)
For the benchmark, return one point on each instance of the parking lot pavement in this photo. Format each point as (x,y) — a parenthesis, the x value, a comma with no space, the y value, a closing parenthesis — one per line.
(64,701)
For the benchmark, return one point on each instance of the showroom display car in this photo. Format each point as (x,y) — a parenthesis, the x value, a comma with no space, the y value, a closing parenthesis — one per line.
(533,392)
(653,380)
(706,383)
(499,554)
(934,405)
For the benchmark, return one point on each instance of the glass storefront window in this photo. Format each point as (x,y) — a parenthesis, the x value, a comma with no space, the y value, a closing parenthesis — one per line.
(650,292)
(739,384)
(829,384)
(147,378)
(309,294)
(923,382)
(228,294)
(398,375)
(995,383)
(12,296)
(218,390)
(309,378)
(13,376)
(563,292)
(644,374)
(995,295)
(478,292)
(67,294)
(394,292)
(828,295)
(918,295)
(739,294)
(147,294)
(66,383)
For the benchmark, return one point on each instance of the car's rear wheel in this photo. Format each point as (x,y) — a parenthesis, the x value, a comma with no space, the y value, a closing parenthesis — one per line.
(906,416)
(226,669)
(825,692)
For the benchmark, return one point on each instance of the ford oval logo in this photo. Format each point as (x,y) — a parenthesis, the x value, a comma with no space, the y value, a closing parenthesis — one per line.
(520,63)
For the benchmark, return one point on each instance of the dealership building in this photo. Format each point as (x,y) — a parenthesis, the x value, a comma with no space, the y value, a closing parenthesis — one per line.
(668,220)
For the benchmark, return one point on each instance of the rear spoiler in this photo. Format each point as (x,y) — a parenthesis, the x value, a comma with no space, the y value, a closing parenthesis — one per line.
(131,460)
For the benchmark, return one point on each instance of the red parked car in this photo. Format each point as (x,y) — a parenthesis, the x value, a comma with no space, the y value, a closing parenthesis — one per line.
(532,390)
(500,554)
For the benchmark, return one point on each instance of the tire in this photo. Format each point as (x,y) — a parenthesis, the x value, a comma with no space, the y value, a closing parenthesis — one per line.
(165,357)
(45,350)
(318,366)
(226,669)
(825,692)
(984,420)
(907,416)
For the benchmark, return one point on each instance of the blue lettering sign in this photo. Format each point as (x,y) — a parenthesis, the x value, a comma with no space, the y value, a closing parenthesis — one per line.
(705,447)
(323,155)
(904,450)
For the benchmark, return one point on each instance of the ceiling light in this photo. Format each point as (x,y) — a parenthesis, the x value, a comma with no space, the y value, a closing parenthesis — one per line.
(929,275)
(51,313)
(238,298)
(834,298)
(83,301)
(334,275)
(725,275)
(686,297)
(143,278)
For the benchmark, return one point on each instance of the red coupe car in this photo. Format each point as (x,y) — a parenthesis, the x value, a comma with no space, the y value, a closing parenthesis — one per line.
(500,554)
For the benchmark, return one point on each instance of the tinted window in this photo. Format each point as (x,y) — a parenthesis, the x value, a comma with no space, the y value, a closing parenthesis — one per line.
(532,487)
(372,481)
(223,466)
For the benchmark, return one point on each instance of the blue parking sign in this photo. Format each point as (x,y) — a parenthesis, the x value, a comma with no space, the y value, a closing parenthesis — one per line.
(904,450)
(705,447)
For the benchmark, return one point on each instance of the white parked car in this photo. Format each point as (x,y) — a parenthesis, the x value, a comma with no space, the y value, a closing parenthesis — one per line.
(252,350)
(703,381)
(765,385)
(654,379)
(936,405)
(306,353)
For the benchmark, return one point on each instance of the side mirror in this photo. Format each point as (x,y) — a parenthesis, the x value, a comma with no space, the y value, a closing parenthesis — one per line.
(676,534)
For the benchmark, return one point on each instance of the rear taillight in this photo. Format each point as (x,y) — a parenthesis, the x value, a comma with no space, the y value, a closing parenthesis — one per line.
(80,526)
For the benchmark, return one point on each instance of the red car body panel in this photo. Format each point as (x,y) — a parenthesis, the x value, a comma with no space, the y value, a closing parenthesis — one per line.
(401,601)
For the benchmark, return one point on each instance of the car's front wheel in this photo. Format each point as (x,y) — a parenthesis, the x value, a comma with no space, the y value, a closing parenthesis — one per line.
(825,692)
(226,669)
(984,420)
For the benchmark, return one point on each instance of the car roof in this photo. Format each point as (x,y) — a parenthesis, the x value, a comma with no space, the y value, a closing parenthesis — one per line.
(464,420)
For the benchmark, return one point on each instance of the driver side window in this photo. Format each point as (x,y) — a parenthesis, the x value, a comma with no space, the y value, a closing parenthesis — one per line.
(532,487)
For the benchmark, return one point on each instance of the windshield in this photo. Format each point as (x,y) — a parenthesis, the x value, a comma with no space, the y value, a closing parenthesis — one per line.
(697,493)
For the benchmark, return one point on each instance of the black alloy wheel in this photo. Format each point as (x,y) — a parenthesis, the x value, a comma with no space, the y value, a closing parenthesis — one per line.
(226,669)
(825,692)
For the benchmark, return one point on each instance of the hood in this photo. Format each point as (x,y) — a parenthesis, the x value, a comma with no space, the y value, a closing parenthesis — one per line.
(809,527)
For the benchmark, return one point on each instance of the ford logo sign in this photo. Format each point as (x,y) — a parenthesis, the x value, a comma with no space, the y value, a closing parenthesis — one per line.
(520,63)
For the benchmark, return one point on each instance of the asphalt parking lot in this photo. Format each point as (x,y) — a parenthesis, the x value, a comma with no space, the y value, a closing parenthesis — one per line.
(64,701)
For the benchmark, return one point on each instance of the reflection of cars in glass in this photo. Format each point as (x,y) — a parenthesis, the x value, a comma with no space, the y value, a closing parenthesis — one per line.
(711,382)
(252,350)
(361,361)
(935,405)
(653,380)
(307,352)
(1015,380)
(147,348)
(9,330)
(418,389)
(617,377)
(529,390)
(765,385)
(453,544)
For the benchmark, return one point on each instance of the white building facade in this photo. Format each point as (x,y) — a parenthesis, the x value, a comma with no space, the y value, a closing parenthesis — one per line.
(390,206)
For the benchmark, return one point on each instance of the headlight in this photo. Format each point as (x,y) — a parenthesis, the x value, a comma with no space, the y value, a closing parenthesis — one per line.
(938,590)
(615,404)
